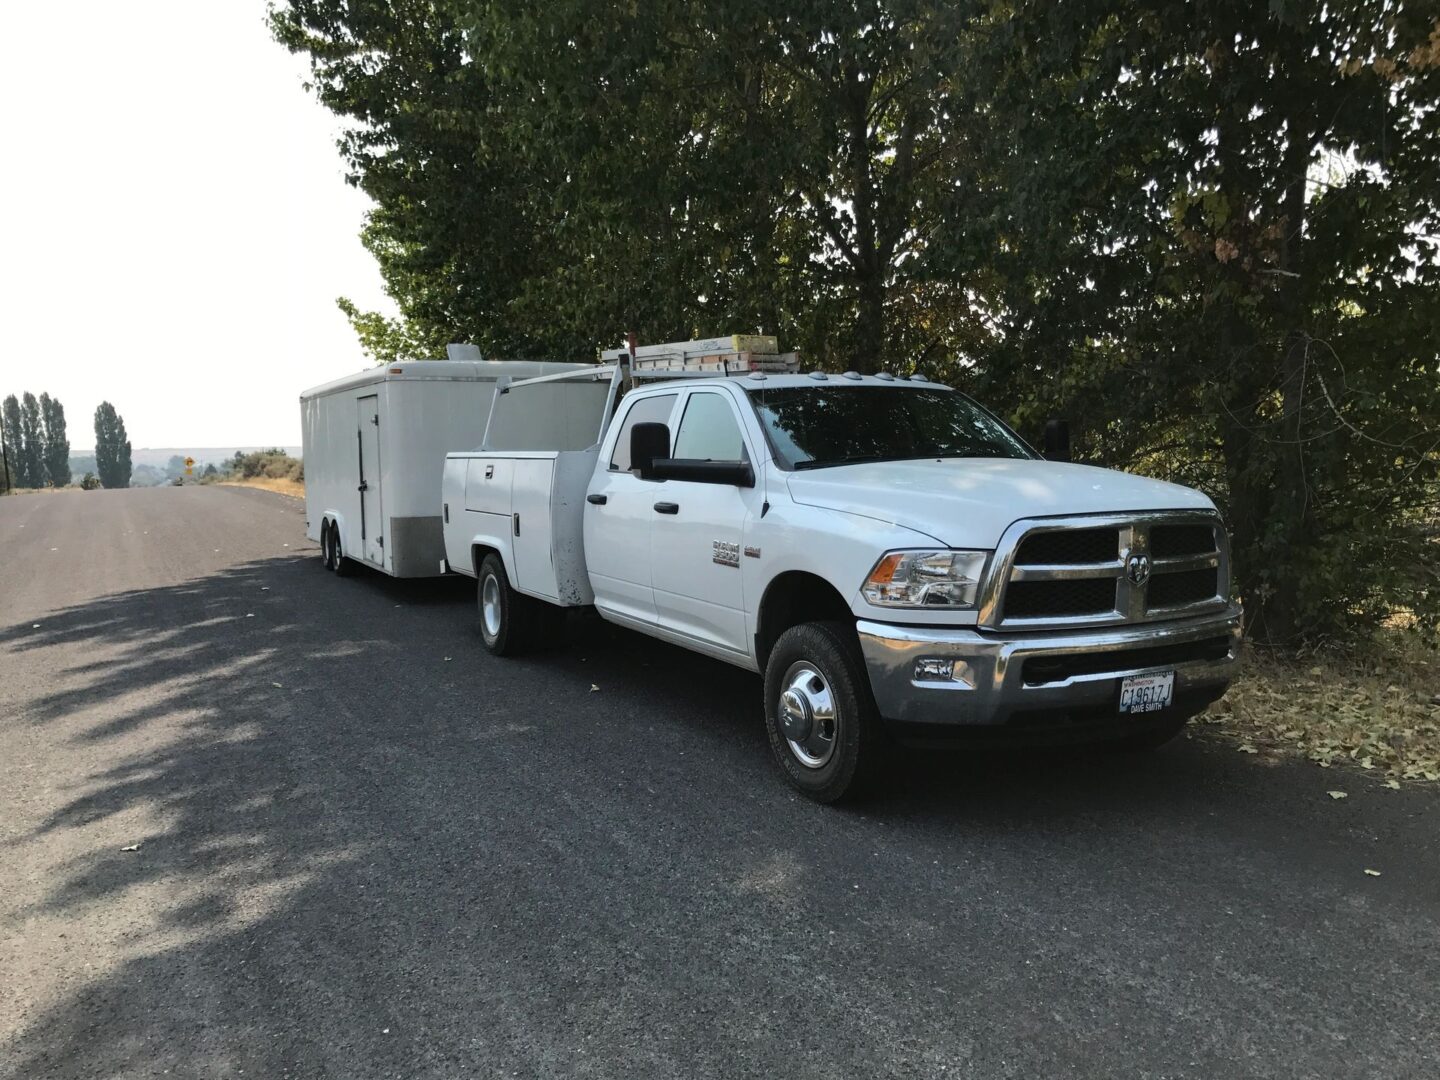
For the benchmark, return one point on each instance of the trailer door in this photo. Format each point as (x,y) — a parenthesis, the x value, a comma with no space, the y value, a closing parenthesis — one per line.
(372,539)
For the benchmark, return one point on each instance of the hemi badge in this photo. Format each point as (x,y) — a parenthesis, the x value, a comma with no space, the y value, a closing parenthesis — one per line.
(752,553)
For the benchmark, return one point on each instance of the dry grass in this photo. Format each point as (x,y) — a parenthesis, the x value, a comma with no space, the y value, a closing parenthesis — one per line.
(1378,711)
(294,488)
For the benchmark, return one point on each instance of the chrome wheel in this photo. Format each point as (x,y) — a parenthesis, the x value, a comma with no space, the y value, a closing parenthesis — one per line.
(490,606)
(808,715)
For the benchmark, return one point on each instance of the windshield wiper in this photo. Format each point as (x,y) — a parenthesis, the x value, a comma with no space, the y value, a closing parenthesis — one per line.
(817,463)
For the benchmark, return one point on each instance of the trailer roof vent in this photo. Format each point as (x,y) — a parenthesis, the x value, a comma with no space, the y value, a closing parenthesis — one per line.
(819,375)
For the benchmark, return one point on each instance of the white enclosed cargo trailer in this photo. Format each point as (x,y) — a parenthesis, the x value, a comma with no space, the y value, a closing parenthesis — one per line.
(374,451)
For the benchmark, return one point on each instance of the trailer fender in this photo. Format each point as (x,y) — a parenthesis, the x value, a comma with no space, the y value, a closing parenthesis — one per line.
(339,519)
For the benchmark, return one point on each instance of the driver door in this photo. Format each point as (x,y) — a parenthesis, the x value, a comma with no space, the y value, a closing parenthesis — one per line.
(696,548)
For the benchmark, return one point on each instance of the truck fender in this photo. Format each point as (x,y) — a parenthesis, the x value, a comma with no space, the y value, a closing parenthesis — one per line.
(497,542)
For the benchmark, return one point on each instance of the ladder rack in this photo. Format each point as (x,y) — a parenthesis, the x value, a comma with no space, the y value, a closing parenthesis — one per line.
(738,354)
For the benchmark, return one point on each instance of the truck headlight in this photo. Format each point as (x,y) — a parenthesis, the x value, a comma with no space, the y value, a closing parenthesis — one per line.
(926,579)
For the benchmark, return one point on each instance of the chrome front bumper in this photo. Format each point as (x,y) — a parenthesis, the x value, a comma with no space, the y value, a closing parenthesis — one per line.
(990,688)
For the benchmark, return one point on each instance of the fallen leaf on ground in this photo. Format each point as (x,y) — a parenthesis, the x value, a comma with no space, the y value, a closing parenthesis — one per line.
(1338,794)
(132,847)
(593,688)
(277,686)
(1372,873)
(1246,748)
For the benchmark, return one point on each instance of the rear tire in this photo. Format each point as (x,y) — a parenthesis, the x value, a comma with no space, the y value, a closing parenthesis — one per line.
(325,546)
(507,619)
(820,716)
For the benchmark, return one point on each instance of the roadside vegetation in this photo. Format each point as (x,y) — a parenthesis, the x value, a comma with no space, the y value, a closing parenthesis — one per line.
(273,470)
(34,448)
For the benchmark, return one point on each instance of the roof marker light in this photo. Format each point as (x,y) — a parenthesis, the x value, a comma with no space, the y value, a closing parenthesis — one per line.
(851,375)
(885,375)
(819,376)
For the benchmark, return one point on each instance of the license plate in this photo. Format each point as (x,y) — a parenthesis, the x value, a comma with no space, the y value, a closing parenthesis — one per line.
(1147,693)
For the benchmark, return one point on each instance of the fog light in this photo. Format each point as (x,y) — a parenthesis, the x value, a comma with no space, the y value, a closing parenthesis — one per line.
(940,669)
(934,669)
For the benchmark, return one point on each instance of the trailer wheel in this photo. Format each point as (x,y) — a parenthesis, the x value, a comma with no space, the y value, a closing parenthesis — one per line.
(819,713)
(338,562)
(506,618)
(325,546)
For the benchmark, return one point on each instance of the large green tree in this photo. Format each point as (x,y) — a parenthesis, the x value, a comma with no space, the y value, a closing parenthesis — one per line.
(112,447)
(32,443)
(11,433)
(1211,236)
(57,443)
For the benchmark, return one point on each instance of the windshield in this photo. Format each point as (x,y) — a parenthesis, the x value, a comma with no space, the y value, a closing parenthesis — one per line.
(815,427)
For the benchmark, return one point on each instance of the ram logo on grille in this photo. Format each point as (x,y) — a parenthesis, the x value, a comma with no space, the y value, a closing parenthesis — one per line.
(1138,569)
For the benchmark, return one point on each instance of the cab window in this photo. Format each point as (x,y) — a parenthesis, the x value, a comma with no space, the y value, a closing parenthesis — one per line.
(709,431)
(646,410)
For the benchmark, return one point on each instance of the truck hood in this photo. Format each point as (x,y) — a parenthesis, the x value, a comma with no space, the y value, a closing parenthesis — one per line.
(969,502)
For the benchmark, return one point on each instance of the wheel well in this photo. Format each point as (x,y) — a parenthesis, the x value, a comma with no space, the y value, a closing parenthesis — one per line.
(792,598)
(478,553)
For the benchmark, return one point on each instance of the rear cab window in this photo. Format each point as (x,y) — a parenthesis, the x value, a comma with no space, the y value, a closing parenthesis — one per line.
(645,410)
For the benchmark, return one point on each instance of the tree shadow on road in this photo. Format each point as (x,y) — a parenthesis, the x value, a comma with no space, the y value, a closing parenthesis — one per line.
(374,849)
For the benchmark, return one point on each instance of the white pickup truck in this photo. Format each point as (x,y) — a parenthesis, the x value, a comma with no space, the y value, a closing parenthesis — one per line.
(896,562)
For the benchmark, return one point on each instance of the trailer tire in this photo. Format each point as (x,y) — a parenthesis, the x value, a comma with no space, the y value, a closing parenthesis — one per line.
(338,562)
(507,619)
(820,715)
(325,546)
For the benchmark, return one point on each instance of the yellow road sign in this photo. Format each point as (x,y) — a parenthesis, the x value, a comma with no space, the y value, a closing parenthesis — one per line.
(189,463)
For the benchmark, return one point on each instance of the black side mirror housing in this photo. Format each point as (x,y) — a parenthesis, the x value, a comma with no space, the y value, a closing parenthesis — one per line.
(1057,440)
(734,473)
(648,444)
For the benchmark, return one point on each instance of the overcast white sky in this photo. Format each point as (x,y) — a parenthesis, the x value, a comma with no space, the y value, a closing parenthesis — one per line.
(176,225)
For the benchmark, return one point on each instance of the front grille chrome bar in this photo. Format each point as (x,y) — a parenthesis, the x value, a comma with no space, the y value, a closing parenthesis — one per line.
(1131,603)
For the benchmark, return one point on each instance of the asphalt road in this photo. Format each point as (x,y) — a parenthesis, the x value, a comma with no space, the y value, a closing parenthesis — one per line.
(367,849)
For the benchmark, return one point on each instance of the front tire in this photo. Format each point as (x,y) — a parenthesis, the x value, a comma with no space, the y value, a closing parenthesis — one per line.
(819,713)
(506,618)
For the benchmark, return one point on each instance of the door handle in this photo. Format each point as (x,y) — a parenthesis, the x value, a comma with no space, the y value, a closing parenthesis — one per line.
(597,500)
(667,508)
(363,486)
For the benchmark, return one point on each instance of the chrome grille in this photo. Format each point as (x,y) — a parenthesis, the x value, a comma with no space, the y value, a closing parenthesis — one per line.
(1104,569)
(1068,547)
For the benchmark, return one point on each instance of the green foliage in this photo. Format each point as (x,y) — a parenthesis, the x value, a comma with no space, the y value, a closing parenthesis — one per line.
(10,433)
(272,464)
(210,471)
(31,444)
(112,447)
(1205,231)
(90,482)
(56,443)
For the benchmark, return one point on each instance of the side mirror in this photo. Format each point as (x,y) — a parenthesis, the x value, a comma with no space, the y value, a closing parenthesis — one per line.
(648,443)
(1057,440)
(733,473)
